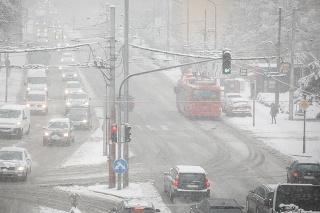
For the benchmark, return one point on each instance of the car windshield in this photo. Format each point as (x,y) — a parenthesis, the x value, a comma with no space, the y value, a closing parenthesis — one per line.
(224,210)
(9,113)
(37,80)
(77,96)
(77,112)
(10,155)
(57,125)
(36,97)
(73,85)
(308,167)
(69,71)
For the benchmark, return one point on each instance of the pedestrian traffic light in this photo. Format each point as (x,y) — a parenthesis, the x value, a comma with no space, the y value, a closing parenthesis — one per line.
(226,62)
(114,133)
(127,132)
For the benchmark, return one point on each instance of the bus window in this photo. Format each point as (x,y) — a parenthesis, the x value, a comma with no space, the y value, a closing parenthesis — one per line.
(205,94)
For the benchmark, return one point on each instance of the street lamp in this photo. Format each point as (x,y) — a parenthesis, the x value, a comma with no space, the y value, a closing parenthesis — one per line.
(215,24)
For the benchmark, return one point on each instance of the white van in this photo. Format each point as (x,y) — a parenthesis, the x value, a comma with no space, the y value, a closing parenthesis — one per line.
(14,120)
(37,80)
(37,101)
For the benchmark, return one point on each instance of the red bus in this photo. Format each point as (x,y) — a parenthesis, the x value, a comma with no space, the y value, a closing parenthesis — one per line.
(198,96)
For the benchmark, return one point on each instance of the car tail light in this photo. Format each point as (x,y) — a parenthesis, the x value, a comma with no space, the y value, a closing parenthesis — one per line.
(295,174)
(175,183)
(139,208)
(207,183)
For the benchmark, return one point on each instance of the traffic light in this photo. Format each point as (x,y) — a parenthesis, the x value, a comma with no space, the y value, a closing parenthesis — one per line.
(127,133)
(114,133)
(226,62)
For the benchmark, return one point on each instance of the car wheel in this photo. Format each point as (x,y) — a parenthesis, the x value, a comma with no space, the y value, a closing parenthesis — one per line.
(257,210)
(25,177)
(247,207)
(28,130)
(171,196)
(20,134)
(164,187)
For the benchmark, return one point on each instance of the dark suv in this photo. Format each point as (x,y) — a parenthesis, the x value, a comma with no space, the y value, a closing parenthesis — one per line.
(304,171)
(80,117)
(217,205)
(187,182)
(135,206)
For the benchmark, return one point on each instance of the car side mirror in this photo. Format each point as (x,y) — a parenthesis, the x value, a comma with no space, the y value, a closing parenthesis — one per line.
(166,173)
(157,210)
(267,202)
(175,90)
(25,118)
(44,127)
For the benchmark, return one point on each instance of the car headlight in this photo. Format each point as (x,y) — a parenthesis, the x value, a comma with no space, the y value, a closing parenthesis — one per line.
(45,89)
(66,134)
(85,121)
(75,75)
(46,134)
(86,103)
(44,106)
(66,92)
(68,103)
(28,105)
(18,123)
(63,75)
(20,168)
(28,88)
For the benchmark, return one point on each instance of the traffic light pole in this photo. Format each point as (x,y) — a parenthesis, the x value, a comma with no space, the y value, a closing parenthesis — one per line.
(112,97)
(126,87)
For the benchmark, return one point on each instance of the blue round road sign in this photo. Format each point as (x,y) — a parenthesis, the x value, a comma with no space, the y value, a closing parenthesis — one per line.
(120,166)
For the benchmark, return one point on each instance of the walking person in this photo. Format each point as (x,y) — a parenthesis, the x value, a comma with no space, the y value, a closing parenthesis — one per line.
(273,113)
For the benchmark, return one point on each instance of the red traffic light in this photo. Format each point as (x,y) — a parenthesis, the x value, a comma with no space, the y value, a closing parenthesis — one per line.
(113,128)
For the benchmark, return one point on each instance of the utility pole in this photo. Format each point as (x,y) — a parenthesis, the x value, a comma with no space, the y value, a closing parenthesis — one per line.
(292,66)
(168,27)
(112,97)
(277,87)
(126,87)
(205,29)
(188,23)
(106,124)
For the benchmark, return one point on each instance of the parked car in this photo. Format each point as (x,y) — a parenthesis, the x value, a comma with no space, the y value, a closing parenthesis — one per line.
(260,199)
(279,198)
(72,86)
(15,162)
(217,205)
(69,73)
(37,101)
(186,182)
(77,99)
(304,171)
(59,131)
(135,206)
(238,106)
(226,97)
(80,117)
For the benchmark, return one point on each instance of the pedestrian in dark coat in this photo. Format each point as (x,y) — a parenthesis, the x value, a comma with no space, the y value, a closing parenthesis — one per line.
(273,113)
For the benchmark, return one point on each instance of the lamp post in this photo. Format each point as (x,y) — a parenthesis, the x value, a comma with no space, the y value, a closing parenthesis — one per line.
(215,24)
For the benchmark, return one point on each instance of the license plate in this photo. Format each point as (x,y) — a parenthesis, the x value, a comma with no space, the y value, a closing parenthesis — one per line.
(55,137)
(309,177)
(192,186)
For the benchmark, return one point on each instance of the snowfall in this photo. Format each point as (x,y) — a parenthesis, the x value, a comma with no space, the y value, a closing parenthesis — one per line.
(286,136)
